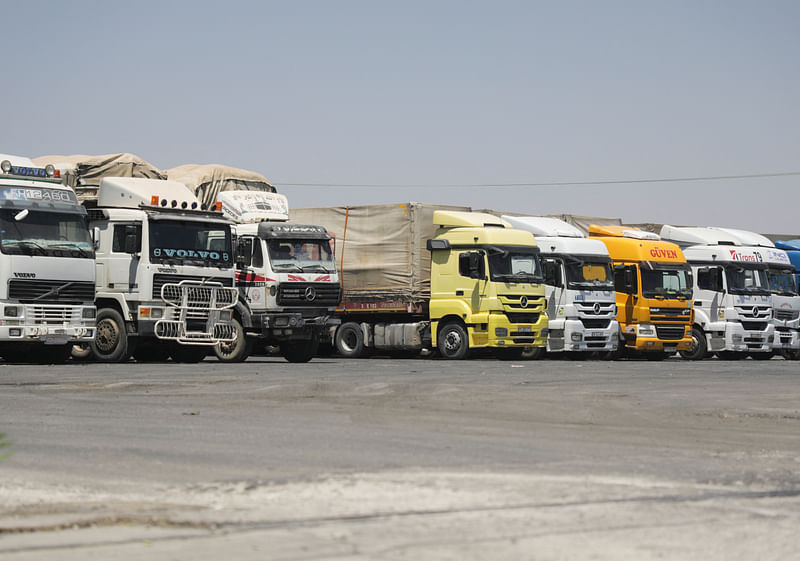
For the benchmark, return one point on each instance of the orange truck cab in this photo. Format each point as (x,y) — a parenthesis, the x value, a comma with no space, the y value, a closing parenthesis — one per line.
(653,283)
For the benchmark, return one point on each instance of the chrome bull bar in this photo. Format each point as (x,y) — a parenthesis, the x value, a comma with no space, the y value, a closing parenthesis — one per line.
(198,308)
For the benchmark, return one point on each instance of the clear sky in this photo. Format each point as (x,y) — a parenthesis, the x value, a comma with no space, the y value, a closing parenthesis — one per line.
(429,93)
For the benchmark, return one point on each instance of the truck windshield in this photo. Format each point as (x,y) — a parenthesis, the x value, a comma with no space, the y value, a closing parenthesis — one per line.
(52,234)
(591,275)
(747,280)
(514,264)
(176,241)
(782,282)
(301,256)
(665,282)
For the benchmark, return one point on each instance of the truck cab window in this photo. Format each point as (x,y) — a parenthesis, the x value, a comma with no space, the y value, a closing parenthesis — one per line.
(258,254)
(120,231)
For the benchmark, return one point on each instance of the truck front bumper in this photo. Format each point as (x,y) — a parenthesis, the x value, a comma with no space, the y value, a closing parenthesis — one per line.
(786,339)
(500,332)
(572,335)
(732,336)
(292,325)
(49,324)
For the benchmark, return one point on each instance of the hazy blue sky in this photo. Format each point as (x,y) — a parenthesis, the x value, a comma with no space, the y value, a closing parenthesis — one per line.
(429,93)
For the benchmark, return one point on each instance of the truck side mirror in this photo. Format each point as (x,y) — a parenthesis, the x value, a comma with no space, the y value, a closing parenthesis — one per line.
(96,238)
(631,286)
(552,272)
(477,268)
(133,241)
(715,279)
(244,252)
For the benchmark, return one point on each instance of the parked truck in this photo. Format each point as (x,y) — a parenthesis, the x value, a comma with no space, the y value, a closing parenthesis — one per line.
(579,284)
(653,286)
(46,265)
(732,298)
(792,249)
(165,272)
(417,276)
(286,276)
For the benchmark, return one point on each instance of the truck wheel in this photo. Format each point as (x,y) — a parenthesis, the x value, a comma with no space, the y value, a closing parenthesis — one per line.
(81,352)
(699,346)
(349,340)
(453,342)
(111,341)
(762,356)
(237,350)
(188,354)
(299,351)
(533,353)
(792,354)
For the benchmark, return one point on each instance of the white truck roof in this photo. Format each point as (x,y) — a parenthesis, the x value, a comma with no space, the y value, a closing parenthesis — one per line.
(544,226)
(747,238)
(698,236)
(725,245)
(246,207)
(130,192)
(557,237)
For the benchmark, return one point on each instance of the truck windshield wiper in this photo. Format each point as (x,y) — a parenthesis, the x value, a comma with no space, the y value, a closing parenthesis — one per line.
(82,251)
(593,284)
(27,244)
(297,268)
(317,267)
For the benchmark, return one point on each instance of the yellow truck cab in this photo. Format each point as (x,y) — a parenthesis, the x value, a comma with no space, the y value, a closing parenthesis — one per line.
(654,290)
(486,286)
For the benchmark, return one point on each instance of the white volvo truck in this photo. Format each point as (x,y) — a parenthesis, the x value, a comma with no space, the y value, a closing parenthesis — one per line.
(165,272)
(46,265)
(286,275)
(732,298)
(581,301)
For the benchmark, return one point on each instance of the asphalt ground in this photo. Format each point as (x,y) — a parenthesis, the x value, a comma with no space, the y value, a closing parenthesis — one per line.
(401,459)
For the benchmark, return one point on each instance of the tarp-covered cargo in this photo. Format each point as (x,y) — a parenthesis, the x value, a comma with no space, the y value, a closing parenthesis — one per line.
(381,249)
(207,180)
(83,173)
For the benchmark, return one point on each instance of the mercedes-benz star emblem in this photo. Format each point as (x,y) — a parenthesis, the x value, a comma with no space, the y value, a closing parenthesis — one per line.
(310,294)
(596,307)
(523,301)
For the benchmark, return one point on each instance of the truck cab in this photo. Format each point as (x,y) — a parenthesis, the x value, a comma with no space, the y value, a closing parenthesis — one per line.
(486,286)
(165,272)
(653,286)
(286,277)
(46,265)
(579,284)
(732,300)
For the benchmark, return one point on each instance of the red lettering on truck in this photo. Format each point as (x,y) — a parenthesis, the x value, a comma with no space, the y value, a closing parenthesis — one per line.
(668,253)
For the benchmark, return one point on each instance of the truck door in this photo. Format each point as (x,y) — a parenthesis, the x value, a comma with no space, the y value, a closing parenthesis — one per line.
(122,262)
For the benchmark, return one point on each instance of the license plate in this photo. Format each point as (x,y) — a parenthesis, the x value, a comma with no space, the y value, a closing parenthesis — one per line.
(55,340)
(525,329)
(670,348)
(596,334)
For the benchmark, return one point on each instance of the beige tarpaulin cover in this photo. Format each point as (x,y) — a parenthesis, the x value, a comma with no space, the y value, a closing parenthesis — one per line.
(383,254)
(207,180)
(83,173)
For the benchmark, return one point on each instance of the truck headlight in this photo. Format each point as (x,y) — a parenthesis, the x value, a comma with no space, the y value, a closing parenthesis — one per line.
(226,315)
(576,337)
(273,290)
(11,311)
(156,313)
(500,332)
(89,313)
(646,330)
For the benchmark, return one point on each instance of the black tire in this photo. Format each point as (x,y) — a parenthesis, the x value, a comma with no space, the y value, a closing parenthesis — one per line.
(453,342)
(792,354)
(156,351)
(655,356)
(188,354)
(533,353)
(511,353)
(349,340)
(239,349)
(730,355)
(699,348)
(299,351)
(81,352)
(111,341)
(762,356)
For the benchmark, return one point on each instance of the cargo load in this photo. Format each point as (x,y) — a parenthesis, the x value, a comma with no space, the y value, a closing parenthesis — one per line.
(207,181)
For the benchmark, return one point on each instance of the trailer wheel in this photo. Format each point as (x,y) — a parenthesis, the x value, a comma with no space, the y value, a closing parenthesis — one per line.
(237,350)
(299,351)
(699,346)
(111,341)
(349,340)
(453,341)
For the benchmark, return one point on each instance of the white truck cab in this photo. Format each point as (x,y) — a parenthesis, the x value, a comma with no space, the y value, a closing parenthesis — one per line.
(581,301)
(732,298)
(165,272)
(46,265)
(286,275)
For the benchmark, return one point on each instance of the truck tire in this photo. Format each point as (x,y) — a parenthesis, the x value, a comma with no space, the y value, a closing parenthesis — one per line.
(791,354)
(237,350)
(111,341)
(349,340)
(453,341)
(699,346)
(533,353)
(81,352)
(299,351)
(188,354)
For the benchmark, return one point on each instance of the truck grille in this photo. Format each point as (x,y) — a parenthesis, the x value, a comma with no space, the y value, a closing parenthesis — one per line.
(52,315)
(595,323)
(520,317)
(786,315)
(30,290)
(670,332)
(309,294)
(754,325)
(160,280)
